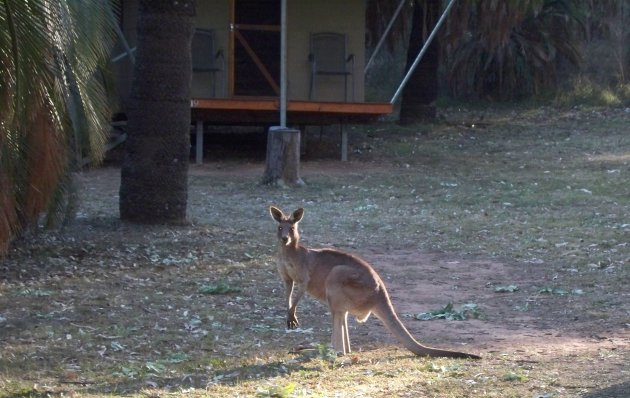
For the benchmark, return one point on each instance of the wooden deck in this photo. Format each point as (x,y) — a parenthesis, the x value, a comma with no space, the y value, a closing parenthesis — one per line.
(265,112)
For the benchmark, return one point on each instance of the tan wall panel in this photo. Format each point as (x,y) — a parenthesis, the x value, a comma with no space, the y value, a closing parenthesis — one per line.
(304,17)
(213,15)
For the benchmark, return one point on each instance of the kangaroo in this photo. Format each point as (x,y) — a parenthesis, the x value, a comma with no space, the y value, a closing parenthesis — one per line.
(347,283)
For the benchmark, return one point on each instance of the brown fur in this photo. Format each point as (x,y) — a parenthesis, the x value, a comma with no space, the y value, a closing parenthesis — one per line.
(348,284)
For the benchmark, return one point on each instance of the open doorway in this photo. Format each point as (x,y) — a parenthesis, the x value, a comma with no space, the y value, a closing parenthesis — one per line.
(255,48)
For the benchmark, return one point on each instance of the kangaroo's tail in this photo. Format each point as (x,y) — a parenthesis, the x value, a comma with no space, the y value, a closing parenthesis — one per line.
(386,313)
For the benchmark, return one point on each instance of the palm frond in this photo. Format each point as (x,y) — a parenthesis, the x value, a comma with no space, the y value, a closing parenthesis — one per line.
(51,59)
(512,46)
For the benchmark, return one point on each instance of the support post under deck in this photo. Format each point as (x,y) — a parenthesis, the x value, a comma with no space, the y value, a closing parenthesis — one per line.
(344,144)
(199,142)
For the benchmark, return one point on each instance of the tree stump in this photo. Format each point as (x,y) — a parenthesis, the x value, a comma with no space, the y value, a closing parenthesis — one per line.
(283,157)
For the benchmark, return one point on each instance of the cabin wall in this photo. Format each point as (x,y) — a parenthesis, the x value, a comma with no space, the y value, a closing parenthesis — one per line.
(210,15)
(304,17)
(213,15)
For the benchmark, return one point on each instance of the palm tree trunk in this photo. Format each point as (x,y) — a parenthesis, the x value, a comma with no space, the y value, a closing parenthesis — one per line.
(154,175)
(422,88)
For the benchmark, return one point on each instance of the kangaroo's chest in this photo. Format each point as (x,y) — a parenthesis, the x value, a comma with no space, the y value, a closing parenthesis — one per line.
(302,274)
(296,271)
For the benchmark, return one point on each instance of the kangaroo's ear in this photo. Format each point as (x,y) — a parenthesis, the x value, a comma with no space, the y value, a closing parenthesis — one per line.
(276,213)
(297,215)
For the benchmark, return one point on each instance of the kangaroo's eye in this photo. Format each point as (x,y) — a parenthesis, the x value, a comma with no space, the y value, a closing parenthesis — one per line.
(279,228)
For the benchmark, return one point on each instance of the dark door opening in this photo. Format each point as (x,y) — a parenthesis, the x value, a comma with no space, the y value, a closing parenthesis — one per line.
(256,46)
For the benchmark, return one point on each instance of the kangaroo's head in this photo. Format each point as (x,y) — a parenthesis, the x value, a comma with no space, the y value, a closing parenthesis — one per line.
(288,233)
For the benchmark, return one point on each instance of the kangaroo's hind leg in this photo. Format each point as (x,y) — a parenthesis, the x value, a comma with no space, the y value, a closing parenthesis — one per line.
(342,291)
(340,338)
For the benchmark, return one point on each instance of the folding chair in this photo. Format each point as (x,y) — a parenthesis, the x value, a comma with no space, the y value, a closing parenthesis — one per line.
(328,57)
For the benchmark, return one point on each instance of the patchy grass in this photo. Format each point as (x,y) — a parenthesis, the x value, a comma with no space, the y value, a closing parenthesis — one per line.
(582,91)
(523,213)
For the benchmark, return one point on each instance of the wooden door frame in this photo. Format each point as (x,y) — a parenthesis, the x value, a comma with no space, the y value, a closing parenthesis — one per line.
(235,36)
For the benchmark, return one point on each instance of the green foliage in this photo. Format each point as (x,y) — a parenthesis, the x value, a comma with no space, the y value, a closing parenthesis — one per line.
(560,291)
(27,392)
(323,352)
(176,357)
(433,367)
(218,288)
(506,289)
(583,91)
(277,391)
(510,49)
(327,353)
(450,313)
(35,292)
(515,376)
(52,98)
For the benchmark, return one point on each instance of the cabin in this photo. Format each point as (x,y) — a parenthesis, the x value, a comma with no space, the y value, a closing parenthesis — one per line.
(237,56)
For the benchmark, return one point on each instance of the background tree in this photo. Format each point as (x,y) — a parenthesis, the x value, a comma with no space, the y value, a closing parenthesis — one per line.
(510,49)
(154,175)
(606,38)
(422,88)
(378,14)
(52,100)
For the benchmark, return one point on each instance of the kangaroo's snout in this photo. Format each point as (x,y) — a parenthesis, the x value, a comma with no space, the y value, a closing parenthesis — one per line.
(285,235)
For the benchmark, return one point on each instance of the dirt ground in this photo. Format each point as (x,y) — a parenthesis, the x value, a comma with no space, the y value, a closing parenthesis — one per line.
(530,321)
(547,327)
(104,307)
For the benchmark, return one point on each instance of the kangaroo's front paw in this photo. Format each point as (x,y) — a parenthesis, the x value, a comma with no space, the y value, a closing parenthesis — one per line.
(292,323)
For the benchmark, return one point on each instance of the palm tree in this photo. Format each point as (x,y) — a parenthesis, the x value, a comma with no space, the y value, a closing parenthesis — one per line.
(53,106)
(509,49)
(154,175)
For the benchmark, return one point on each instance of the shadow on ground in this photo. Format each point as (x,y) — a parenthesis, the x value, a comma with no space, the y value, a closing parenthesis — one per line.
(617,391)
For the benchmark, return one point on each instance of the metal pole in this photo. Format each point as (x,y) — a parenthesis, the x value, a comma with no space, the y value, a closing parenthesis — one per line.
(382,39)
(421,53)
(283,64)
(128,50)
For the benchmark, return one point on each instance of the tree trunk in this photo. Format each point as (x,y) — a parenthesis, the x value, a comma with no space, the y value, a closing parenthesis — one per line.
(421,90)
(283,157)
(154,175)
